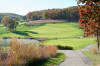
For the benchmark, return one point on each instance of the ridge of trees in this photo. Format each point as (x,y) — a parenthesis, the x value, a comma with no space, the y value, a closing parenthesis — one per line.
(69,14)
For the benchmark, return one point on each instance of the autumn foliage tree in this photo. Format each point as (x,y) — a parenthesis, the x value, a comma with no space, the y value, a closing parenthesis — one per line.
(29,16)
(89,11)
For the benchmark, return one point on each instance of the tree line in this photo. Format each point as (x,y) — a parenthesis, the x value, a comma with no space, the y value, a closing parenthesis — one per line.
(69,14)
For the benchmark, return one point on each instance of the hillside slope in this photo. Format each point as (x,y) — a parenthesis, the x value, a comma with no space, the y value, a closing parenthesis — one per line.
(10,15)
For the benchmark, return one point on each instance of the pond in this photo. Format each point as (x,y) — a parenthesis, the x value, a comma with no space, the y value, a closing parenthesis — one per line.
(6,42)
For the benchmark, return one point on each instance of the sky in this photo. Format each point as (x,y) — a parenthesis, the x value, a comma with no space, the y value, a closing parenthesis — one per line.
(22,7)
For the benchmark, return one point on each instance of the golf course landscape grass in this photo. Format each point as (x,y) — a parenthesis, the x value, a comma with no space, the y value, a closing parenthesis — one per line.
(63,34)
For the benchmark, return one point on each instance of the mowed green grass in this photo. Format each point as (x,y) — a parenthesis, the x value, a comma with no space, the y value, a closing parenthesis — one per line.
(57,30)
(75,43)
(64,34)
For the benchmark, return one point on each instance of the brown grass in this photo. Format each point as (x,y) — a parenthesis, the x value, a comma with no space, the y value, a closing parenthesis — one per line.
(21,53)
(0,39)
(38,22)
(94,50)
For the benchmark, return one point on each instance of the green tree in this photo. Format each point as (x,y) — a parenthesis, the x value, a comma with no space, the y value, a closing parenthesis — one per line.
(10,23)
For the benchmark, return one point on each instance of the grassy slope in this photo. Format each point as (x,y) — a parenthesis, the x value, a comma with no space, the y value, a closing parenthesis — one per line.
(58,30)
(67,34)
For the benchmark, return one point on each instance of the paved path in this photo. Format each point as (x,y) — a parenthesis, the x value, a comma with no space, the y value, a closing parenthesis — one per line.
(76,57)
(87,48)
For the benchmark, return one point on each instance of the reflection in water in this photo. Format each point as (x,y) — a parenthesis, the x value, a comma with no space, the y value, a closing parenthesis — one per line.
(6,42)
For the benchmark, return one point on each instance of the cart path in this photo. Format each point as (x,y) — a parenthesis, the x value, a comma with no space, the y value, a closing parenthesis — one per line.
(76,57)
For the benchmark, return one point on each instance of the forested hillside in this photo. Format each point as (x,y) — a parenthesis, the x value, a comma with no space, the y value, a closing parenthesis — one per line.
(10,15)
(69,14)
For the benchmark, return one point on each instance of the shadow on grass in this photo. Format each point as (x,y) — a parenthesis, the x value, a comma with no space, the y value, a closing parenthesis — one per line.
(37,62)
(24,33)
(64,47)
(31,32)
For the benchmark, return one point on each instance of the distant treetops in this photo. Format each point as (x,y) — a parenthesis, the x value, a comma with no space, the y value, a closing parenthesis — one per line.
(70,14)
(89,11)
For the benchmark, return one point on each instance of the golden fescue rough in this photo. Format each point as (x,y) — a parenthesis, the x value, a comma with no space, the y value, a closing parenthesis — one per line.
(21,53)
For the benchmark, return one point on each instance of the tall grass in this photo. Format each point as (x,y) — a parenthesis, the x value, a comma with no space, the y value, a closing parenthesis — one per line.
(21,53)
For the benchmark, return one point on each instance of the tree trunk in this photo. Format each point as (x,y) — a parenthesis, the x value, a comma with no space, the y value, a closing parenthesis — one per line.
(98,39)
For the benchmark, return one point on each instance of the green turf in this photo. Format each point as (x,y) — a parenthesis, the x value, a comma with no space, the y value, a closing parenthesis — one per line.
(67,34)
(75,43)
(58,30)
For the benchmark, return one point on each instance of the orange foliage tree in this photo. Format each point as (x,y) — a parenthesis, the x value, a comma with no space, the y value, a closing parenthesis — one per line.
(89,11)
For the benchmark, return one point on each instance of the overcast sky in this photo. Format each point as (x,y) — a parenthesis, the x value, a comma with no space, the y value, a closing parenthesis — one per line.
(24,6)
